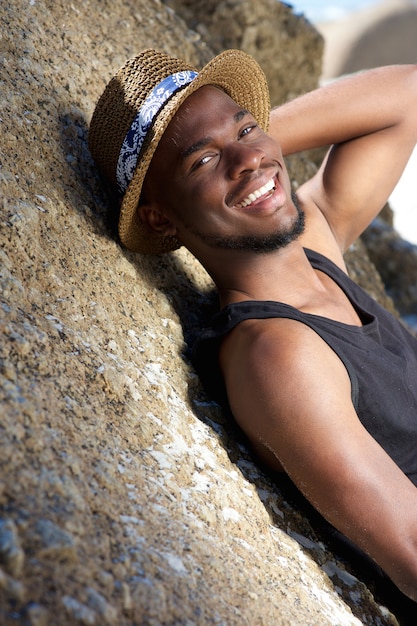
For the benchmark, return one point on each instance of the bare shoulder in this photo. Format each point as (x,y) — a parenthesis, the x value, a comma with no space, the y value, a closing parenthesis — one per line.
(270,371)
(277,346)
(279,369)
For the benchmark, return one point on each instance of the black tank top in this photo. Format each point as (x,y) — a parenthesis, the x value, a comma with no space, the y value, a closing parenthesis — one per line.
(380,358)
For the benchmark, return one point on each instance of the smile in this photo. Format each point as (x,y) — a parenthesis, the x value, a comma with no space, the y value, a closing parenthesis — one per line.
(258,193)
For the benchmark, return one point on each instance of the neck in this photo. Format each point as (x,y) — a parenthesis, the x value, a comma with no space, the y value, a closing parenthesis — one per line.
(284,275)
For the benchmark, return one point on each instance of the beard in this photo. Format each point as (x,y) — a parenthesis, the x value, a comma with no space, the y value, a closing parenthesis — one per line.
(262,243)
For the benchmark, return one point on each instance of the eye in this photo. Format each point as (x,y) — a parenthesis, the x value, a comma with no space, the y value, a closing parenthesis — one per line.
(206,158)
(247,130)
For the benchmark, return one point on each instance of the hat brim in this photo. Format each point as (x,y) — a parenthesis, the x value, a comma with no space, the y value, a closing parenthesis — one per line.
(240,76)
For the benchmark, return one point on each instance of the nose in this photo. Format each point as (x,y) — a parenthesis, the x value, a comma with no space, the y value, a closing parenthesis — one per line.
(243,158)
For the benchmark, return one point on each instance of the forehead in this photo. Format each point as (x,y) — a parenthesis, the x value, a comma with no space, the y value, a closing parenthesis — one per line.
(206,96)
(204,111)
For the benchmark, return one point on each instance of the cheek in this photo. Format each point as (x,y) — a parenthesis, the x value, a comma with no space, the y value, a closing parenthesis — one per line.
(208,189)
(189,199)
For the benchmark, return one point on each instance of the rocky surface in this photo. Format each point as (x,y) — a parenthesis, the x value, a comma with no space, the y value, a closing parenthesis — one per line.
(126,496)
(287,46)
(396,260)
(379,34)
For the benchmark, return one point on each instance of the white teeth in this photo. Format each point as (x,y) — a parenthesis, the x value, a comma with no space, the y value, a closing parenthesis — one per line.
(269,186)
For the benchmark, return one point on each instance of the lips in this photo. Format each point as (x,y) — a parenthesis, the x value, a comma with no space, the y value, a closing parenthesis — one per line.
(265,190)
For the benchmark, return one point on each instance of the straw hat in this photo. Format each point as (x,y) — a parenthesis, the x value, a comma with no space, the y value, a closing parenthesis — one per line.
(134,111)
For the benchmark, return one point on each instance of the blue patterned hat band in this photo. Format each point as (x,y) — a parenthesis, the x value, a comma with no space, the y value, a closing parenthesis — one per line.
(132,144)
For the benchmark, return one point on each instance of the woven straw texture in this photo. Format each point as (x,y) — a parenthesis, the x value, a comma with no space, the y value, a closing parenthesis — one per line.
(234,71)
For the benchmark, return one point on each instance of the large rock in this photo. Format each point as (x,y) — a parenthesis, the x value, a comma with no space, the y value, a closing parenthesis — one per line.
(126,496)
(286,46)
(396,260)
(382,33)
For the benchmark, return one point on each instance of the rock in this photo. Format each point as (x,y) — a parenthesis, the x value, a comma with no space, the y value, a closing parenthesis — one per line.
(38,615)
(79,612)
(380,34)
(286,45)
(11,553)
(396,261)
(129,493)
(53,542)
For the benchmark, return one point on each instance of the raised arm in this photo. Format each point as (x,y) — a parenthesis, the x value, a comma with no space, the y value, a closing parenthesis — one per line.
(370,118)
(346,108)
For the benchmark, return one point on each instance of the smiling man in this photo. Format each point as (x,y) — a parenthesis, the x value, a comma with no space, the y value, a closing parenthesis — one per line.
(322,380)
(212,149)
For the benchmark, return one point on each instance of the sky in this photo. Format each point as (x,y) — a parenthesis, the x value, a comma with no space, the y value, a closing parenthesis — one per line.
(322,10)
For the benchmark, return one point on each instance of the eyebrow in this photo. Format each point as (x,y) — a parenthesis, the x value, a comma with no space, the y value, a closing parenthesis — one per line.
(195,147)
(201,143)
(240,115)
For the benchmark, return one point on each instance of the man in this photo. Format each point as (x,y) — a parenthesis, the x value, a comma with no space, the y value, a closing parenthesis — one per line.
(321,379)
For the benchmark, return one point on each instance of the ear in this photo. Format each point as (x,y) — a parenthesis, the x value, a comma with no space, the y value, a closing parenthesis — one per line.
(152,216)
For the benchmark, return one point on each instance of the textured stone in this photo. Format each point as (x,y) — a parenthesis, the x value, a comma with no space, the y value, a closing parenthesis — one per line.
(11,553)
(396,261)
(286,45)
(379,33)
(127,495)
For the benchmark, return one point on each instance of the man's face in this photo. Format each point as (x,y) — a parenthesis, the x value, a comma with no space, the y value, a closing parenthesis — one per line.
(220,180)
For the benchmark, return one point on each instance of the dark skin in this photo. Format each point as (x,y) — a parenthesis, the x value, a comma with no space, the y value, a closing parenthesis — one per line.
(211,159)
